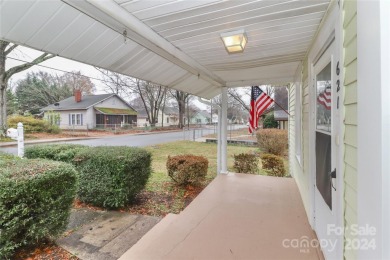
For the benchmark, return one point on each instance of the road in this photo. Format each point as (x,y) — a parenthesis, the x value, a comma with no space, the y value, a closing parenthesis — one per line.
(136,140)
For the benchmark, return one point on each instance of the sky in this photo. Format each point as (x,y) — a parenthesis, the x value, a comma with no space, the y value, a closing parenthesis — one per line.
(27,54)
(63,64)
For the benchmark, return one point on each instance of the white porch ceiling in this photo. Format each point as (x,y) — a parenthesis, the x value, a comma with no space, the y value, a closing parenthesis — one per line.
(175,43)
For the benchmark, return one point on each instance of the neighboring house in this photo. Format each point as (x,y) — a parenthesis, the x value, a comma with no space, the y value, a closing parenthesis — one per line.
(170,117)
(92,111)
(201,117)
(282,118)
(215,118)
(281,108)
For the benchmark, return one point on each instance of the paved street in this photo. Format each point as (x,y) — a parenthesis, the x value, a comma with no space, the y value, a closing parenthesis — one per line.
(138,140)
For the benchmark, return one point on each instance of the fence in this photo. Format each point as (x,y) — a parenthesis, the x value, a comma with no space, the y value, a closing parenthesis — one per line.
(209,131)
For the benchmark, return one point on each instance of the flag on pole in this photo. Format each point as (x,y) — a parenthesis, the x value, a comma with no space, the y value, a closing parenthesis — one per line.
(259,102)
(325,98)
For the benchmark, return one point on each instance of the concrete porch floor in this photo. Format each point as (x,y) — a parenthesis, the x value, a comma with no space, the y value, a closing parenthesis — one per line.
(238,216)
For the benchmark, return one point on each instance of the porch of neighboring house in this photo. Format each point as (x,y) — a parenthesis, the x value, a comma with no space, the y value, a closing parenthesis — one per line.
(111,117)
(237,216)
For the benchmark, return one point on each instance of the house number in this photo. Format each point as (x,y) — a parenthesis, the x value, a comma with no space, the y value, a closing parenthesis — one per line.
(338,83)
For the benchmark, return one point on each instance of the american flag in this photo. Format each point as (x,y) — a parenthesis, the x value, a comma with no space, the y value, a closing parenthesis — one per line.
(325,98)
(259,102)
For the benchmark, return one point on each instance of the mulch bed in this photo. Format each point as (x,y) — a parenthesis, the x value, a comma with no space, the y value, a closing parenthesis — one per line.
(146,201)
(46,251)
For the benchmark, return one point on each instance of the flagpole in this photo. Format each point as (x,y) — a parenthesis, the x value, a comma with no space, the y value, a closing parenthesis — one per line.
(281,107)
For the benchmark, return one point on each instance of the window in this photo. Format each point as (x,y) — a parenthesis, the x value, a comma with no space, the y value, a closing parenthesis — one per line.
(75,119)
(167,120)
(324,99)
(298,121)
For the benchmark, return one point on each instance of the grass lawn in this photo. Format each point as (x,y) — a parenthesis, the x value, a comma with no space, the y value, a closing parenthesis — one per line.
(161,196)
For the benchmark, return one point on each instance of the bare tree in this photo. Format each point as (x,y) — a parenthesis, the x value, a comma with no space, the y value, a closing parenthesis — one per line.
(152,97)
(5,49)
(181,98)
(238,97)
(75,80)
(116,83)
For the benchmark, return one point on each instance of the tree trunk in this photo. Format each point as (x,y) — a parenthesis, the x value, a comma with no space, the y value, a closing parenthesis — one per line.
(188,115)
(181,104)
(3,88)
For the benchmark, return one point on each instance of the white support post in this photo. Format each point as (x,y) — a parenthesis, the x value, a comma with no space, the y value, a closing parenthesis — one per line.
(20,140)
(224,131)
(219,141)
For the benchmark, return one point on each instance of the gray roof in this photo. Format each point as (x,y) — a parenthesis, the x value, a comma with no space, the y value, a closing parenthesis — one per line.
(167,111)
(70,103)
(280,115)
(171,110)
(141,112)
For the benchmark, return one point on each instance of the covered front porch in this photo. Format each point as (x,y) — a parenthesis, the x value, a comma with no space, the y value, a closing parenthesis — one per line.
(178,44)
(238,216)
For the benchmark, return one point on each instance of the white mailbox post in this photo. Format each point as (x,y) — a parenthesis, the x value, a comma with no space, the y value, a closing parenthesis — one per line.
(18,134)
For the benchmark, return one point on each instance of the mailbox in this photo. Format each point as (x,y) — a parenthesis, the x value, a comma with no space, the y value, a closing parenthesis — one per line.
(12,133)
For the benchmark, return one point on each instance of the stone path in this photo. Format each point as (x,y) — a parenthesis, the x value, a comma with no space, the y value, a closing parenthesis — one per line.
(104,234)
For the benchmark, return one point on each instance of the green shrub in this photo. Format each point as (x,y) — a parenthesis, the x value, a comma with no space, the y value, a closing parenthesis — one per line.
(57,152)
(53,129)
(30,124)
(187,169)
(270,122)
(246,163)
(6,156)
(272,141)
(273,164)
(112,176)
(35,201)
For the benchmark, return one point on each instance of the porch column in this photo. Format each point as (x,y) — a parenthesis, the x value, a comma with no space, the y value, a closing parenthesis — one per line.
(223,131)
(373,110)
(219,141)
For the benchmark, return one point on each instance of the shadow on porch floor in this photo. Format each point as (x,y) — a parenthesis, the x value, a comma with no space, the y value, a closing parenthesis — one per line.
(238,216)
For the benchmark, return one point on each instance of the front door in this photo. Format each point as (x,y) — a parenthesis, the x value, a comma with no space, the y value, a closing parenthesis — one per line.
(326,129)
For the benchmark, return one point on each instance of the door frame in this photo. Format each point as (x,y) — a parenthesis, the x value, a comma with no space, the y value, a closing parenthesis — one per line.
(330,31)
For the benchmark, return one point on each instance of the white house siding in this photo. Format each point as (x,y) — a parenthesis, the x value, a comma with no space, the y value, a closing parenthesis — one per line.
(64,123)
(350,119)
(299,169)
(173,120)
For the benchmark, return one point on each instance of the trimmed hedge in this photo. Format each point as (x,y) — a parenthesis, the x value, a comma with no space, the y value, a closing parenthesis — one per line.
(246,163)
(112,176)
(273,164)
(35,201)
(187,169)
(109,176)
(57,152)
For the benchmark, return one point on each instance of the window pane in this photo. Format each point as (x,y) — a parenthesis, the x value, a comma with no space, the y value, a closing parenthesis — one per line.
(78,119)
(324,99)
(73,119)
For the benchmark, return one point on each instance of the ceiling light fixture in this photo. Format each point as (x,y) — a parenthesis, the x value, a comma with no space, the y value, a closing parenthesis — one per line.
(234,41)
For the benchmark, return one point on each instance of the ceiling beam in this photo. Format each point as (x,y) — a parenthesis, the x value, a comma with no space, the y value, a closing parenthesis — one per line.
(142,34)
